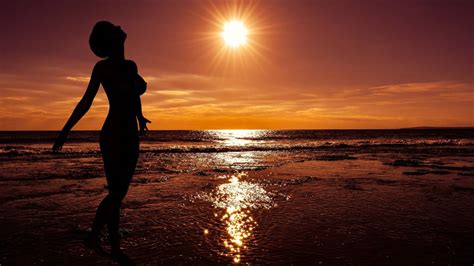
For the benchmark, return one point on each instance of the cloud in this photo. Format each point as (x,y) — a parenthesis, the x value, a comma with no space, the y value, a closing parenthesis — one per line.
(187,101)
(171,92)
(78,78)
(425,87)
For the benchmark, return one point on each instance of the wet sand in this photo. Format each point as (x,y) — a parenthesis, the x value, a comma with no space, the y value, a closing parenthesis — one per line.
(339,209)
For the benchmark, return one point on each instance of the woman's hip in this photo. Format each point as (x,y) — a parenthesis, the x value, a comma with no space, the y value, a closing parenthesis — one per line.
(113,145)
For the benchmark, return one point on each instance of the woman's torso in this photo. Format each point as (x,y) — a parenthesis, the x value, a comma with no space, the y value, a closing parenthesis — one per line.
(117,78)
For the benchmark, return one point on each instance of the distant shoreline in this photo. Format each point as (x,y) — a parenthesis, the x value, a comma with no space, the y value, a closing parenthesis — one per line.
(301,129)
(437,127)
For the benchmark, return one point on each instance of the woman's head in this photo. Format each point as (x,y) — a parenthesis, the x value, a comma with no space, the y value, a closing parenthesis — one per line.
(106,39)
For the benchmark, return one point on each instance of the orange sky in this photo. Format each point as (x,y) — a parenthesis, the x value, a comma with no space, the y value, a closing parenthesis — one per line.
(308,64)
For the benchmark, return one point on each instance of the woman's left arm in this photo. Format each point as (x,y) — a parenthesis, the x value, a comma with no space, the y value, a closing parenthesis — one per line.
(81,109)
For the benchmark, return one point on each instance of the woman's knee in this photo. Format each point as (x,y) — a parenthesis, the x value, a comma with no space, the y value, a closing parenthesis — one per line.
(117,195)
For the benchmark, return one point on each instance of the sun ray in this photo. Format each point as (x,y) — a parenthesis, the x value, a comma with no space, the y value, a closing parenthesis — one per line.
(237,54)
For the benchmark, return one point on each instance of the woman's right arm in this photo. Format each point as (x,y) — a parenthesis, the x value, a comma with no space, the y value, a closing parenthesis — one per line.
(81,109)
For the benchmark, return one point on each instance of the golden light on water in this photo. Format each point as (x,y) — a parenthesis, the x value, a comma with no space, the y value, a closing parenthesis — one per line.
(237,198)
(240,137)
(237,218)
(235,139)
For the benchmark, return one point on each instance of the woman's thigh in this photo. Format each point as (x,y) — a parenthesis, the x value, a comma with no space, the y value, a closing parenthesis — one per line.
(120,157)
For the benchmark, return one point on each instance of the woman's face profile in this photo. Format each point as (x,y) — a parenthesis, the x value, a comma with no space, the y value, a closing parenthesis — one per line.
(121,34)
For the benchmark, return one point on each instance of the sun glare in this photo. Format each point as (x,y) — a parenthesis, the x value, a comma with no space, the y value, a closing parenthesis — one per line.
(234,33)
(234,42)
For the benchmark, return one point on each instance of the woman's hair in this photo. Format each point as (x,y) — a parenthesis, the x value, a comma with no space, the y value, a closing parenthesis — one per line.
(103,38)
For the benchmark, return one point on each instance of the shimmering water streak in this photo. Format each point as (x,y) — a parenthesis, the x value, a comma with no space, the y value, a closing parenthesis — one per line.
(238,137)
(239,227)
(237,198)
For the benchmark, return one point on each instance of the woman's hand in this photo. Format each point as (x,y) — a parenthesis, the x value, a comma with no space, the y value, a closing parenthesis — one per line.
(58,143)
(142,123)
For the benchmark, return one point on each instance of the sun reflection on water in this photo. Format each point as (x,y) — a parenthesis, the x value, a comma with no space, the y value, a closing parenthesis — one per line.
(238,137)
(237,198)
(236,140)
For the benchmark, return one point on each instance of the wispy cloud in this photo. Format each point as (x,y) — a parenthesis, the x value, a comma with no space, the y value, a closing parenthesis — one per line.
(78,78)
(181,100)
(425,87)
(171,92)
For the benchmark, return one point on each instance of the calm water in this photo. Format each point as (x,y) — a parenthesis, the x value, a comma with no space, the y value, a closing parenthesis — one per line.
(332,197)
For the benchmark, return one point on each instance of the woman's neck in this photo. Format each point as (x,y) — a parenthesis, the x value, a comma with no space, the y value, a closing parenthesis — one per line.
(118,54)
(117,57)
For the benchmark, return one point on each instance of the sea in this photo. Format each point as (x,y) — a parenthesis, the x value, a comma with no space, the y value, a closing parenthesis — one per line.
(302,197)
(225,150)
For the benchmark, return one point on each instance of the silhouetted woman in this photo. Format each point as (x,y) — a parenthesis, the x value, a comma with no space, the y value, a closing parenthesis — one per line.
(119,137)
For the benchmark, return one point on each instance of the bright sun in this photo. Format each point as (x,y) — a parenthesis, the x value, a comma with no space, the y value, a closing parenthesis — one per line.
(234,33)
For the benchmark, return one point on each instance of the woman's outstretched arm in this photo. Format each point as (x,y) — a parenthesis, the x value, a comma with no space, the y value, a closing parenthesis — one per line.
(81,109)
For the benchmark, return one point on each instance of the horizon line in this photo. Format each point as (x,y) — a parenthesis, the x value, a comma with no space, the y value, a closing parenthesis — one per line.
(282,129)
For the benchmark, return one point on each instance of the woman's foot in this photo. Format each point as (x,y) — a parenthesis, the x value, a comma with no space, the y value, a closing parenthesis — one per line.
(121,258)
(92,241)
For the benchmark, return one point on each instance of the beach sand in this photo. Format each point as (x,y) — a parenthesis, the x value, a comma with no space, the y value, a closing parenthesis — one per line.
(340,212)
(384,207)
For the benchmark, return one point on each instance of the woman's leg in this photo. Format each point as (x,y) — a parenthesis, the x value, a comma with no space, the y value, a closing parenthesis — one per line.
(100,217)
(104,210)
(120,167)
(93,238)
(108,213)
(120,159)
(116,195)
(107,208)
(109,156)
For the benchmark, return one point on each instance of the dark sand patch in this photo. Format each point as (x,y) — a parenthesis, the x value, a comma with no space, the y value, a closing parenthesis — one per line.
(334,157)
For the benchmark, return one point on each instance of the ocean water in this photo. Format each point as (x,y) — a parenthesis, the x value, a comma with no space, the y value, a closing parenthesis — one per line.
(331,197)
(219,150)
(232,149)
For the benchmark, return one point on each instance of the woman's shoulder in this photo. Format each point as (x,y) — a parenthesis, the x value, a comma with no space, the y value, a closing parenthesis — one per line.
(98,68)
(101,64)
